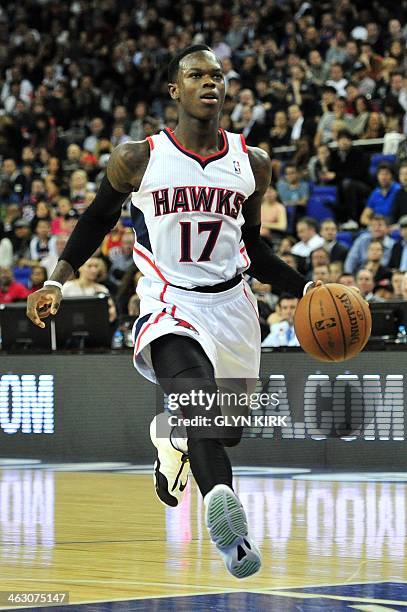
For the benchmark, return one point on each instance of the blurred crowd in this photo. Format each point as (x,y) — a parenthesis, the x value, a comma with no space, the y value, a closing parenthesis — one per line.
(320,85)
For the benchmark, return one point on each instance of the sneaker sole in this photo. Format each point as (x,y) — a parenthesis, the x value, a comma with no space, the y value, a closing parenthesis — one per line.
(227,525)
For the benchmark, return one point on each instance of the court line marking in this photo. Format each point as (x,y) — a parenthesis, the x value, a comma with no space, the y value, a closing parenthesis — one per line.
(334,584)
(338,597)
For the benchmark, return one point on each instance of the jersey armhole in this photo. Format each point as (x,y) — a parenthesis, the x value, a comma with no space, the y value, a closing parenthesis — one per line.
(150,142)
(244,145)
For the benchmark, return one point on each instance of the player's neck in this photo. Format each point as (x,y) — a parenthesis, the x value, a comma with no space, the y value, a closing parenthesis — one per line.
(198,136)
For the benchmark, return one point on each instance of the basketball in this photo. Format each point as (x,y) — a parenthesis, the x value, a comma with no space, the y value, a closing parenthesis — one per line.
(332,322)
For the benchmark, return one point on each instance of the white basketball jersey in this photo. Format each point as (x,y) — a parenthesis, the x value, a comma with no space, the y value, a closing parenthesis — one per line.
(187,214)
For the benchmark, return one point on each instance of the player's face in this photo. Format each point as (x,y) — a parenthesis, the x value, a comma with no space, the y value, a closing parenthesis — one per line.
(200,86)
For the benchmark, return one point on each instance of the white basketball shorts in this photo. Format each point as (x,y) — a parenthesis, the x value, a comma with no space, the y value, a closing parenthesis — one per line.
(225,324)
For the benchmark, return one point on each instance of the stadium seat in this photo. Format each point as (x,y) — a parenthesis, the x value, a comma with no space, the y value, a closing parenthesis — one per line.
(346,238)
(316,206)
(395,234)
(378,158)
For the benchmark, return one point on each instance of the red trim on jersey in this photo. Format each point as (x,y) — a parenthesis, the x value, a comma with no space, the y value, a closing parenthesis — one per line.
(251,304)
(242,250)
(173,309)
(244,145)
(152,264)
(203,160)
(162,294)
(150,142)
(158,317)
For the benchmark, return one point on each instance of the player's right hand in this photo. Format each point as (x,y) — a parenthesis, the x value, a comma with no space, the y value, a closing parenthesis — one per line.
(43,303)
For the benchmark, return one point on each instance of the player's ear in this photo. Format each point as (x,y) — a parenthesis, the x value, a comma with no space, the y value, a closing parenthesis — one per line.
(173,90)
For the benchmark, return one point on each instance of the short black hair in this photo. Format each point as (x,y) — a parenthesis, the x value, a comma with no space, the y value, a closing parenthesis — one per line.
(385,166)
(344,134)
(173,66)
(310,221)
(286,296)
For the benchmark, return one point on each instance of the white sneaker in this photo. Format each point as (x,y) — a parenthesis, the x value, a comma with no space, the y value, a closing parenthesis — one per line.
(171,468)
(226,521)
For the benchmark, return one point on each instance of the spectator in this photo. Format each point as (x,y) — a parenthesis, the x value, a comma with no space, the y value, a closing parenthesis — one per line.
(124,259)
(399,208)
(293,191)
(282,333)
(383,291)
(127,288)
(365,283)
(6,249)
(328,231)
(404,287)
(78,187)
(398,257)
(10,290)
(381,199)
(273,213)
(347,279)
(378,230)
(299,125)
(307,231)
(21,239)
(38,277)
(321,272)
(375,127)
(42,243)
(351,176)
(50,261)
(337,79)
(320,167)
(58,225)
(266,303)
(372,263)
(397,283)
(335,271)
(280,135)
(325,126)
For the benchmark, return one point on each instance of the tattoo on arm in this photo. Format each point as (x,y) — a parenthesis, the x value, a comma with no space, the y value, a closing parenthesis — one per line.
(127,165)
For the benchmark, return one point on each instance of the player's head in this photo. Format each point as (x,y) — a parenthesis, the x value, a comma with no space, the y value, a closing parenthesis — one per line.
(196,82)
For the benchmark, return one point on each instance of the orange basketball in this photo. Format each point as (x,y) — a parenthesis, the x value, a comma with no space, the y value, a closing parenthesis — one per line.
(332,322)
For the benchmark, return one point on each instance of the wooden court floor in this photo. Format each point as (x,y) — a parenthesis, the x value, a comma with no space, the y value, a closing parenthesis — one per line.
(104,537)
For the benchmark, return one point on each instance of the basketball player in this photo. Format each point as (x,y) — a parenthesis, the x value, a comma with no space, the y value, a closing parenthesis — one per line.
(196,194)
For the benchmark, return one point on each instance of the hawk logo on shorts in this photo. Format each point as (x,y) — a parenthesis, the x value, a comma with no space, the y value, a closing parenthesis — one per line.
(236,166)
(182,323)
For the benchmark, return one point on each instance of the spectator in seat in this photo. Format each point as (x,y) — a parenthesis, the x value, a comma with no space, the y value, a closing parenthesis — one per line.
(21,238)
(347,279)
(307,231)
(42,243)
(282,333)
(335,271)
(372,263)
(86,285)
(381,199)
(6,249)
(378,230)
(318,257)
(293,191)
(38,277)
(398,257)
(397,282)
(123,261)
(404,287)
(273,213)
(328,231)
(321,272)
(365,283)
(10,290)
(300,127)
(383,291)
(399,208)
(351,172)
(280,135)
(320,167)
(50,261)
